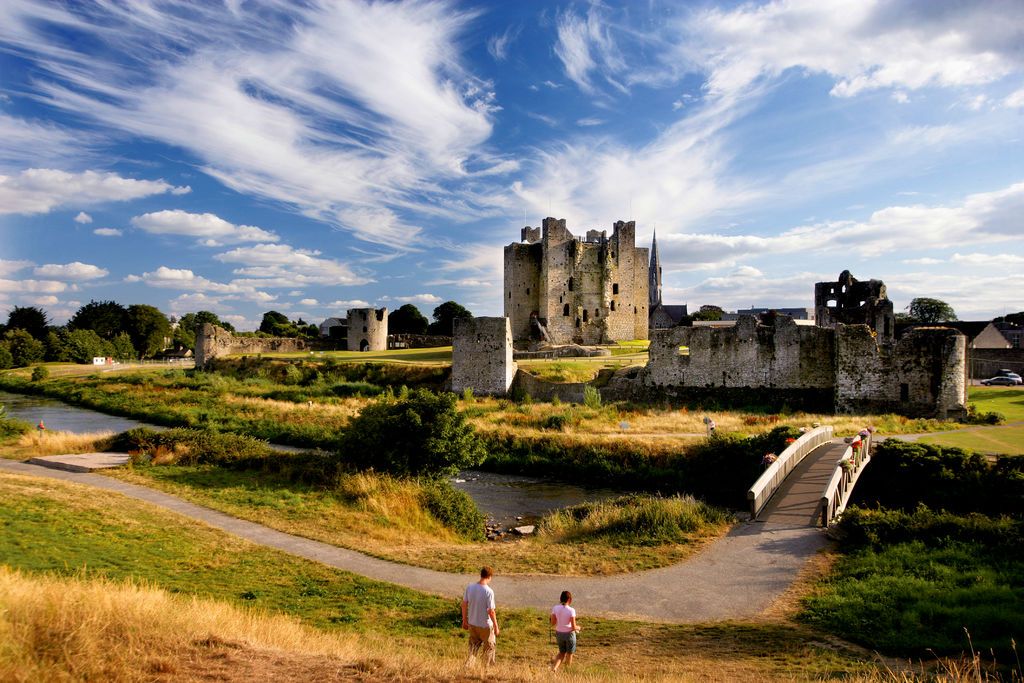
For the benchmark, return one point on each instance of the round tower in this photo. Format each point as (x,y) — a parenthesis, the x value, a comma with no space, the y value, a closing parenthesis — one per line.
(367,329)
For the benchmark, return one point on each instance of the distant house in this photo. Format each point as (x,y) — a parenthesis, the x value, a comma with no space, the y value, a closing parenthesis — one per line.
(325,326)
(981,334)
(664,316)
(1000,336)
(794,313)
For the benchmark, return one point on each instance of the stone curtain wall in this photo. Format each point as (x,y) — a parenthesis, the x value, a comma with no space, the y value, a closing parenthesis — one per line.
(923,374)
(417,341)
(215,342)
(482,356)
(985,363)
(367,329)
(786,356)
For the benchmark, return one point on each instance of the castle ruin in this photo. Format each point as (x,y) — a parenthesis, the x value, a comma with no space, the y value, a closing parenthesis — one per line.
(566,289)
(367,329)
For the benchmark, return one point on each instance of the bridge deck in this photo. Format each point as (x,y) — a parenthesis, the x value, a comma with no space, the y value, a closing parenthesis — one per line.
(797,501)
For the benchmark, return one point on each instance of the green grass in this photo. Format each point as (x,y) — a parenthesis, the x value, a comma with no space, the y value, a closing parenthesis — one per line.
(66,529)
(1006,440)
(1007,401)
(441,354)
(908,598)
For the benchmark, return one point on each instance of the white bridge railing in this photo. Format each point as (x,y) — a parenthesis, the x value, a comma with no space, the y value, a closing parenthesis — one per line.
(837,494)
(766,485)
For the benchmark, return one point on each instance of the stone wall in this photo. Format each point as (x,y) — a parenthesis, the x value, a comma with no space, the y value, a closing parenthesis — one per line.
(784,356)
(215,342)
(921,375)
(367,329)
(541,390)
(417,341)
(585,291)
(482,356)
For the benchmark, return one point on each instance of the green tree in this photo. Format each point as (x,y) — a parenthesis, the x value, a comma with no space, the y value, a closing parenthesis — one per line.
(423,434)
(189,324)
(121,348)
(708,312)
(25,349)
(925,310)
(1015,318)
(148,328)
(277,325)
(6,359)
(445,316)
(29,318)
(107,318)
(75,346)
(407,320)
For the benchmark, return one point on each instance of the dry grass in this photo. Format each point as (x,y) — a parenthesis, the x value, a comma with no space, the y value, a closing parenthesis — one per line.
(36,443)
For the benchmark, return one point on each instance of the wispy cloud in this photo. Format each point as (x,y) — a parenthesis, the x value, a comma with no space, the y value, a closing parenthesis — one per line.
(354,113)
(498,45)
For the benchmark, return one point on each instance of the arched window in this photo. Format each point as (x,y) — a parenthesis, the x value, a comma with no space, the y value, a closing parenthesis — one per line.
(613,304)
(584,315)
(565,310)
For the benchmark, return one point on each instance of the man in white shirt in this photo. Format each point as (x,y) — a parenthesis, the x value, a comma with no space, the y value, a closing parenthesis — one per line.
(479,617)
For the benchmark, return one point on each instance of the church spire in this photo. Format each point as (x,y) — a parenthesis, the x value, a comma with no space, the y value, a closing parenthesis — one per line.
(654,274)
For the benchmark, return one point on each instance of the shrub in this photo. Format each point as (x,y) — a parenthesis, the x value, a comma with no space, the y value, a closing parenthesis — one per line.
(422,435)
(467,394)
(860,527)
(6,359)
(194,447)
(39,373)
(634,520)
(976,417)
(591,397)
(555,422)
(903,475)
(10,426)
(453,508)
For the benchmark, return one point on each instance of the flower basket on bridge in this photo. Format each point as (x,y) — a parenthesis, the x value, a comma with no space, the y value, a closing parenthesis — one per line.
(768,459)
(846,464)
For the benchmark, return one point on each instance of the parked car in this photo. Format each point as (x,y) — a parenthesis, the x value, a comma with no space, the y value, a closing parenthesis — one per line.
(1002,381)
(1007,373)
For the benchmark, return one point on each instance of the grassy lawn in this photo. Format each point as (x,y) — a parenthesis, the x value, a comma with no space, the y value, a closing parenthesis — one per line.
(434,356)
(383,517)
(1005,400)
(1006,440)
(67,530)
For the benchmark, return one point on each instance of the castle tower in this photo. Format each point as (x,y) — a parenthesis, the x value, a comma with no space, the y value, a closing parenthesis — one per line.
(367,329)
(654,274)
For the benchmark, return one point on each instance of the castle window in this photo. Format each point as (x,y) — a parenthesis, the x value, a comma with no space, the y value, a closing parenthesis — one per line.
(886,331)
(831,303)
(613,304)
(565,310)
(577,322)
(510,295)
(584,315)
(904,392)
(597,313)
(570,284)
(615,288)
(527,290)
(634,310)
(364,329)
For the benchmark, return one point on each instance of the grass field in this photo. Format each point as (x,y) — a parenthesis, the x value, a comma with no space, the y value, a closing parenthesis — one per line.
(66,530)
(1001,440)
(435,356)
(1005,400)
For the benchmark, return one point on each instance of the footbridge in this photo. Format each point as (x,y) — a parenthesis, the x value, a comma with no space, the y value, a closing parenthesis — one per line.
(810,482)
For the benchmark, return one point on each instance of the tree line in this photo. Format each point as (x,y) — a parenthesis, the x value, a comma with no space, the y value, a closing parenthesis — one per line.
(110,330)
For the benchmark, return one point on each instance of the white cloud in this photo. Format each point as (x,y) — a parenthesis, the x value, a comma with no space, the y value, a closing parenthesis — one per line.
(308,302)
(1015,100)
(40,190)
(183,278)
(8,267)
(862,45)
(212,230)
(987,260)
(32,286)
(498,45)
(348,303)
(900,97)
(48,300)
(338,109)
(107,232)
(924,261)
(589,121)
(28,143)
(415,298)
(585,46)
(83,218)
(280,265)
(75,271)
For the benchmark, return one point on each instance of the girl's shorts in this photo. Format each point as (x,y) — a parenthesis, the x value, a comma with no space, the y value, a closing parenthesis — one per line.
(566,642)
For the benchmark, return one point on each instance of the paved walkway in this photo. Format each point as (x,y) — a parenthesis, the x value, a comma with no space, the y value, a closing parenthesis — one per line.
(736,577)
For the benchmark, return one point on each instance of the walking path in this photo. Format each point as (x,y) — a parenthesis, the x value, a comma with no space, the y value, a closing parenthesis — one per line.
(736,577)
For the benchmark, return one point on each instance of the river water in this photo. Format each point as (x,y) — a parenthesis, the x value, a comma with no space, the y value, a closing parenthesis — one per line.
(508,500)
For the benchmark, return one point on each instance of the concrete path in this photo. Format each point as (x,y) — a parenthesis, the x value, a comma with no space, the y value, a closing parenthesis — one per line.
(81,462)
(736,577)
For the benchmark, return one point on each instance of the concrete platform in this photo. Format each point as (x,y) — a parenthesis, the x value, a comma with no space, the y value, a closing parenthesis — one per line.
(81,462)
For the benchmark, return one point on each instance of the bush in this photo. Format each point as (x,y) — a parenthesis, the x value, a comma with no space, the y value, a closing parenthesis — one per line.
(6,359)
(860,527)
(184,446)
(976,417)
(634,520)
(39,373)
(903,475)
(453,508)
(422,435)
(10,426)
(591,397)
(555,422)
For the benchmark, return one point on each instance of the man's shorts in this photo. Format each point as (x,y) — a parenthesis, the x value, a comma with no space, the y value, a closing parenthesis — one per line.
(566,642)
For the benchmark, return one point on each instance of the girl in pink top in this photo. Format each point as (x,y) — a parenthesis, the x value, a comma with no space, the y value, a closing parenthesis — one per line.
(563,618)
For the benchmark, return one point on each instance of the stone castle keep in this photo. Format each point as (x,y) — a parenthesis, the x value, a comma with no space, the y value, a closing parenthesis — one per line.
(566,289)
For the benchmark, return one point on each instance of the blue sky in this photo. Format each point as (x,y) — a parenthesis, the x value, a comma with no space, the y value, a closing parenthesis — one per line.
(310,157)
